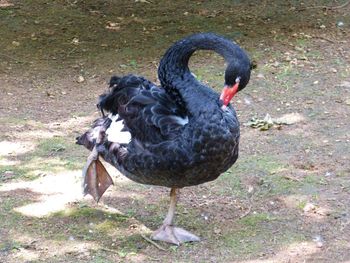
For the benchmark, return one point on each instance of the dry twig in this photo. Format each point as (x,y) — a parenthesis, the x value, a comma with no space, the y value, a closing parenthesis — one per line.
(153,243)
(247,212)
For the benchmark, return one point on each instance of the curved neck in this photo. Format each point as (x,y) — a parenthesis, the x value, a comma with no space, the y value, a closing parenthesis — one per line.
(174,73)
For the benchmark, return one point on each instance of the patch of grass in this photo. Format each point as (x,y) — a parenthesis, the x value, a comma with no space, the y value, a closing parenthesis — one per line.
(8,246)
(230,183)
(301,204)
(55,154)
(91,214)
(15,172)
(256,234)
(280,185)
(254,219)
(264,164)
(314,180)
(241,242)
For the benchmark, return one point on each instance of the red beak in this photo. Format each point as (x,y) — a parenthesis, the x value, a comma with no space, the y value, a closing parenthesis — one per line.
(227,93)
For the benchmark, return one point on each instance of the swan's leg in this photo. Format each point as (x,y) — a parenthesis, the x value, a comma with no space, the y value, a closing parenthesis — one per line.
(96,177)
(169,233)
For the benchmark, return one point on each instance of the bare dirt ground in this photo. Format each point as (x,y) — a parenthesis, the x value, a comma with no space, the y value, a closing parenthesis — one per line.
(285,200)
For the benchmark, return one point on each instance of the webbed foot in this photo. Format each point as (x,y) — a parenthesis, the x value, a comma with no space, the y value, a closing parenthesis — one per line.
(96,178)
(174,235)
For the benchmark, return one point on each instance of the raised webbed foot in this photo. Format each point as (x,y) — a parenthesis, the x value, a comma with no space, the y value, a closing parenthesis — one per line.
(96,177)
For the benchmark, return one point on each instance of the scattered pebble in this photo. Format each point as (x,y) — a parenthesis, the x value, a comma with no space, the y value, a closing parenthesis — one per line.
(328,174)
(15,43)
(322,26)
(309,207)
(205,216)
(319,241)
(80,79)
(75,41)
(217,231)
(345,84)
(340,24)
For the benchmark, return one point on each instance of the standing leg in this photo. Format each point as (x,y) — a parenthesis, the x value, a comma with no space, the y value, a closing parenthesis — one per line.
(169,233)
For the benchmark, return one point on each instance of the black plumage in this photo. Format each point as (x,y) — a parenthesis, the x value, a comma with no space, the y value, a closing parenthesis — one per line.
(181,133)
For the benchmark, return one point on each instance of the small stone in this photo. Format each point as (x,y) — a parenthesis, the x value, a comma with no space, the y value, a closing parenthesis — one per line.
(250,189)
(260,76)
(75,41)
(309,207)
(322,26)
(319,241)
(80,79)
(15,43)
(8,174)
(315,82)
(288,59)
(217,231)
(345,84)
(340,24)
(347,101)
(205,216)
(333,70)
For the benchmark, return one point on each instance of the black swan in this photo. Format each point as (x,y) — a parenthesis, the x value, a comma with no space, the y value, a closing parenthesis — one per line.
(180,134)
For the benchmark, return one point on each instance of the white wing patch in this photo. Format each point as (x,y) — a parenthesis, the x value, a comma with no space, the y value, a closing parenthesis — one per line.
(181,121)
(115,133)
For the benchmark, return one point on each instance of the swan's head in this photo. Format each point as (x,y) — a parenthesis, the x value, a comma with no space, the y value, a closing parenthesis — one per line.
(237,76)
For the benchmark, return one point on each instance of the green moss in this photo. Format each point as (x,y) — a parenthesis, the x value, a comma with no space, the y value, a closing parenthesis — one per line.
(15,171)
(282,185)
(255,234)
(254,219)
(87,212)
(302,204)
